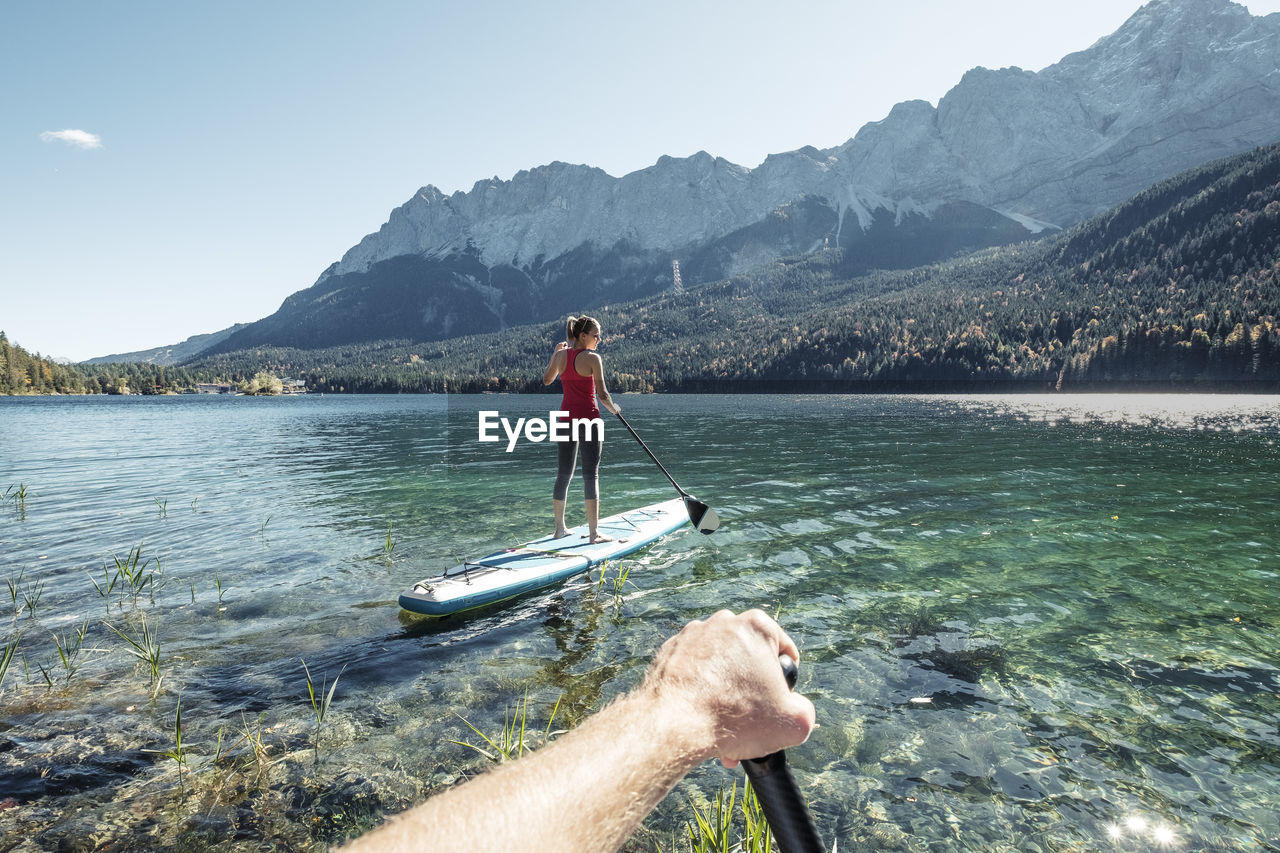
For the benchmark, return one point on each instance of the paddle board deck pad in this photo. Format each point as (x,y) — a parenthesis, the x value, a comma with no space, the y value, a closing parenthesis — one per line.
(514,571)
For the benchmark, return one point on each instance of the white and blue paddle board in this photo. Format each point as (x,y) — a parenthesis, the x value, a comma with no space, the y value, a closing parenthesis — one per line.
(542,562)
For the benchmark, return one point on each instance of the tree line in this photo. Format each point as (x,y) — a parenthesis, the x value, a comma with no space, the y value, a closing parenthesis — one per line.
(22,373)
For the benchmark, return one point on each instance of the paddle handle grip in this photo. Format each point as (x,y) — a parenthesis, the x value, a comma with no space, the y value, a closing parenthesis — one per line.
(780,798)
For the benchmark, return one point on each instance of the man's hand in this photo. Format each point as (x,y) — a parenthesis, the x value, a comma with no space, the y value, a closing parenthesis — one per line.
(714,689)
(725,672)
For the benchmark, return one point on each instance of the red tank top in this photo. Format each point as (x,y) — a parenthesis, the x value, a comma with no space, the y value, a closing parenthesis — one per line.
(579,391)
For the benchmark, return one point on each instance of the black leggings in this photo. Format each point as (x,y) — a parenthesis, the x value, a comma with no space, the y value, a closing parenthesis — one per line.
(590,468)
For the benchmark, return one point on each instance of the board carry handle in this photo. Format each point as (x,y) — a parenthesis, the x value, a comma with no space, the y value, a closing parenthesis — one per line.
(780,798)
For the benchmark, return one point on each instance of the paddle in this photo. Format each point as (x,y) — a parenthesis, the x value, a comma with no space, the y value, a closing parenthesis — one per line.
(780,797)
(702,516)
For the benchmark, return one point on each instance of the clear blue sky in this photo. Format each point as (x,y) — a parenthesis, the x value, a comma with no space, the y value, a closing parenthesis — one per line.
(232,150)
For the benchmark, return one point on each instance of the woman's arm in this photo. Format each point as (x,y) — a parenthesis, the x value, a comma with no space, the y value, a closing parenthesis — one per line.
(556,366)
(713,689)
(597,372)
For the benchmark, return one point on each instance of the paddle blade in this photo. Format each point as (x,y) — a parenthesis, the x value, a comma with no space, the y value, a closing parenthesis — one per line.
(703,517)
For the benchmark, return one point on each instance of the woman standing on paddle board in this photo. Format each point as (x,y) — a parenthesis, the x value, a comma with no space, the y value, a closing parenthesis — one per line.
(581,373)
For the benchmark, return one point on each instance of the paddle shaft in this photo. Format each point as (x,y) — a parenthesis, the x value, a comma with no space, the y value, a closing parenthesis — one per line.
(637,437)
(780,798)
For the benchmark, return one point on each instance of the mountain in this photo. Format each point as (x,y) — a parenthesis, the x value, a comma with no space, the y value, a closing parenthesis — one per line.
(1174,289)
(170,355)
(1005,155)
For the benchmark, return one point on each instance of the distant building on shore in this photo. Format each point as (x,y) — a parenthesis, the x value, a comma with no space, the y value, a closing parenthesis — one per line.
(215,388)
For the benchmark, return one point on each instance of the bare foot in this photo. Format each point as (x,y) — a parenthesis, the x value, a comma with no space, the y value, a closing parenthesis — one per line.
(560,534)
(600,538)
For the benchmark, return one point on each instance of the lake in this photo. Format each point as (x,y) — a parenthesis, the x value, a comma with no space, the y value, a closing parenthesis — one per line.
(1027,622)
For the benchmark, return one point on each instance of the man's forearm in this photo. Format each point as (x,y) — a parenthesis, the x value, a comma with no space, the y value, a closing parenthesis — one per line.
(715,688)
(564,797)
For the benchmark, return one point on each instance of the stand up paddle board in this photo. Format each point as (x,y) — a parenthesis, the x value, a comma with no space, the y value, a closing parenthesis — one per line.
(542,562)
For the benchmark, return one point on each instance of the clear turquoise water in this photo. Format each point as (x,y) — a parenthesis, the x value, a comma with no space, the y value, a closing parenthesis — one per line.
(1029,623)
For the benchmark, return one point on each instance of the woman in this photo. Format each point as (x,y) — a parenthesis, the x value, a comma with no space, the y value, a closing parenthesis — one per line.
(581,373)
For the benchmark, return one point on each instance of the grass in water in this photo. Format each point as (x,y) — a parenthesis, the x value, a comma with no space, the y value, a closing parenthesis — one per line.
(261,751)
(512,741)
(251,734)
(18,494)
(614,584)
(162,507)
(132,574)
(388,548)
(29,592)
(70,647)
(222,590)
(108,584)
(714,829)
(10,649)
(178,753)
(31,597)
(320,702)
(146,648)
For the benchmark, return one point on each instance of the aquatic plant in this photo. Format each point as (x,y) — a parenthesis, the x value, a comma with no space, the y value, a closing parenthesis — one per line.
(107,586)
(222,590)
(712,825)
(251,734)
(178,753)
(30,593)
(713,828)
(146,648)
(320,702)
(69,648)
(162,507)
(512,741)
(44,672)
(616,583)
(10,649)
(18,494)
(217,747)
(261,751)
(133,570)
(16,591)
(388,547)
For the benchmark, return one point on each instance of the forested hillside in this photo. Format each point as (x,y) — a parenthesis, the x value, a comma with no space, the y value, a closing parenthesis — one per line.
(23,373)
(1176,288)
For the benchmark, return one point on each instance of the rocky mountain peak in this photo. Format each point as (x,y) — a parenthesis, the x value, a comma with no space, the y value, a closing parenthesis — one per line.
(1005,153)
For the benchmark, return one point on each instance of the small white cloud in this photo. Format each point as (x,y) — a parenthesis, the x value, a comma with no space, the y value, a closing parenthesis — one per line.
(78,138)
